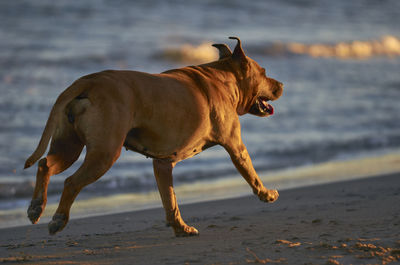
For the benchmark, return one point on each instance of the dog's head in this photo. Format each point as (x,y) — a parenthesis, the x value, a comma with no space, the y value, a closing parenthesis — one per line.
(256,89)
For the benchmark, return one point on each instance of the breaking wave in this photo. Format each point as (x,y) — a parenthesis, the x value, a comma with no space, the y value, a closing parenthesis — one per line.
(188,53)
(386,46)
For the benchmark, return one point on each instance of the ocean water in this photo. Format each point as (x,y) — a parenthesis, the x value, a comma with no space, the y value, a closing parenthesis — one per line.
(334,108)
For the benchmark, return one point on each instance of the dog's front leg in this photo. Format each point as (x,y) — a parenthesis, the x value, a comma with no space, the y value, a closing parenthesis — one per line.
(241,159)
(163,174)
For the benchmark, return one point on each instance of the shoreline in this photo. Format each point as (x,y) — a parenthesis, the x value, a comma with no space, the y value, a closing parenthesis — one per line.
(224,188)
(348,222)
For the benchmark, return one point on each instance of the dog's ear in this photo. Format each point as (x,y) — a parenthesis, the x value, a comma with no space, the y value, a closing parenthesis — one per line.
(224,51)
(238,53)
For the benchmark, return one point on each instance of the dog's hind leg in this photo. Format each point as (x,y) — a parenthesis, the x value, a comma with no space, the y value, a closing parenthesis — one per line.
(65,149)
(163,174)
(97,161)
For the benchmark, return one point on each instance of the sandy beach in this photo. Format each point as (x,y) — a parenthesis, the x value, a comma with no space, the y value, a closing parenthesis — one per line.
(351,222)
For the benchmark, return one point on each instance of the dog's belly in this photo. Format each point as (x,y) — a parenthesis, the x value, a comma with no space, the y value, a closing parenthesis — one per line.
(150,145)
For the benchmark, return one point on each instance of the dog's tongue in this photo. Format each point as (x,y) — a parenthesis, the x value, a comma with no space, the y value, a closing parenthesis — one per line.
(270,109)
(267,107)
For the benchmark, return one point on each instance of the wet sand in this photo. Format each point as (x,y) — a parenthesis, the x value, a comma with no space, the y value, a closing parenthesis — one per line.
(352,222)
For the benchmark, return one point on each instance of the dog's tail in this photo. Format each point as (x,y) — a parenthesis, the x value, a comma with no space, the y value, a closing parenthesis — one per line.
(62,101)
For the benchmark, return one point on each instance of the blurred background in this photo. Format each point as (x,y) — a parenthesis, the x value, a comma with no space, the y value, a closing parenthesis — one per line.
(339,61)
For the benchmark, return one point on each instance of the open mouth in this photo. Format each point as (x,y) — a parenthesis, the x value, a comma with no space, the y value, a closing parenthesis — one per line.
(261,107)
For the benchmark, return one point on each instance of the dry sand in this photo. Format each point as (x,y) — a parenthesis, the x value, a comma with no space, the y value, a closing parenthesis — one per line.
(353,222)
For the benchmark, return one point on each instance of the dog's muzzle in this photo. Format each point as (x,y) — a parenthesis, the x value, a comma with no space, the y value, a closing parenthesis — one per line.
(261,107)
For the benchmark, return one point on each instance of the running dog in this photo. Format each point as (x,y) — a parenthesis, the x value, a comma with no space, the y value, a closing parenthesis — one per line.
(169,117)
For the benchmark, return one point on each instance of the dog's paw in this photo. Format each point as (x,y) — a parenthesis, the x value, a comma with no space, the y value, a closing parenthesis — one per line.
(35,210)
(268,195)
(186,231)
(58,223)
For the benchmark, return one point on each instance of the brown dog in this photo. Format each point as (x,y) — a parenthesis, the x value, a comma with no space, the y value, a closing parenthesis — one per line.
(169,116)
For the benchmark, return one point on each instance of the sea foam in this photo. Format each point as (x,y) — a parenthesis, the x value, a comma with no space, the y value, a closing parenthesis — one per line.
(388,46)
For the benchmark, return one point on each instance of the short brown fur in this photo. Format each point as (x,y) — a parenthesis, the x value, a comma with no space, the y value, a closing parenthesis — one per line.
(169,117)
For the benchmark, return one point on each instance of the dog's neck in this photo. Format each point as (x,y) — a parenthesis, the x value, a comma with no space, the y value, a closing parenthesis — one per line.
(231,71)
(227,75)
